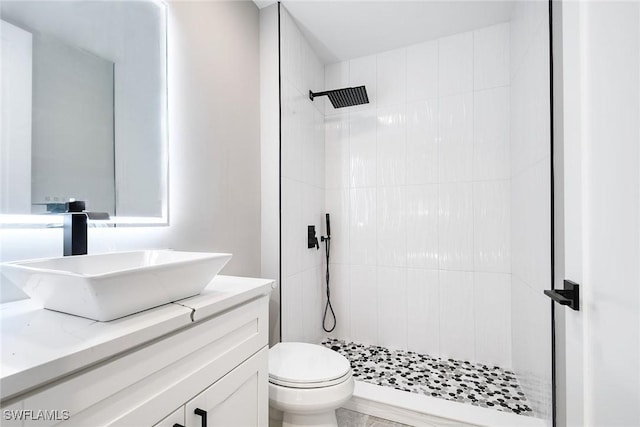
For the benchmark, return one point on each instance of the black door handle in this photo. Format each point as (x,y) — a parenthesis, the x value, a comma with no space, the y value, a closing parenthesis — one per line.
(570,295)
(178,425)
(203,414)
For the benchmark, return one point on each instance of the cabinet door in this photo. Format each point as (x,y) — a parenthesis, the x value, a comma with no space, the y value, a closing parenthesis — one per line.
(240,398)
(177,417)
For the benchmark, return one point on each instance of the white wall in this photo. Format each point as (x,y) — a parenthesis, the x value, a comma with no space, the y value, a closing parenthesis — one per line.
(214,147)
(530,203)
(302,185)
(605,178)
(418,186)
(214,123)
(568,206)
(601,108)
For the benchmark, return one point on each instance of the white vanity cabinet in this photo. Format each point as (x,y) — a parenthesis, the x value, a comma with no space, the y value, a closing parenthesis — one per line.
(216,364)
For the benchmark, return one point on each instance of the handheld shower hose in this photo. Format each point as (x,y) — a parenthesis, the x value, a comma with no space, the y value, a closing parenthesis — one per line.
(328,308)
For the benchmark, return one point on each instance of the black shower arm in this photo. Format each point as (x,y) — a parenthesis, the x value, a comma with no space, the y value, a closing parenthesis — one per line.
(312,94)
(326,92)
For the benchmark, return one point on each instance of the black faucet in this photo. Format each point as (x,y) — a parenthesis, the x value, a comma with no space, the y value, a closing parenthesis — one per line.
(75,227)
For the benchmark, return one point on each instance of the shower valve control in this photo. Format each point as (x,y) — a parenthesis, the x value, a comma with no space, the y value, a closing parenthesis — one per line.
(312,240)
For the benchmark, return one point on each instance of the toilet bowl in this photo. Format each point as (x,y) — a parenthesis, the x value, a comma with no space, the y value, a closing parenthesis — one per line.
(307,383)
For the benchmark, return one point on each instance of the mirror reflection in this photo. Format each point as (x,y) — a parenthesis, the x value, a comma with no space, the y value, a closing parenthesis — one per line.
(83,106)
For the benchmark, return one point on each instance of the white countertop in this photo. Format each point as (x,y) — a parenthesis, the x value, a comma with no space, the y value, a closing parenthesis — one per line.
(39,346)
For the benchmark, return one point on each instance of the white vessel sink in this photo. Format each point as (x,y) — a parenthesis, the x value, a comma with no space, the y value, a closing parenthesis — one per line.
(108,286)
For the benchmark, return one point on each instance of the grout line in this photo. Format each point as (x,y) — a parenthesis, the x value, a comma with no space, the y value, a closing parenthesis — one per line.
(404,202)
(473,173)
(438,143)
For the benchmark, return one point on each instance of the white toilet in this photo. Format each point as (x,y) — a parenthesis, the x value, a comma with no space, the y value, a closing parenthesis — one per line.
(307,383)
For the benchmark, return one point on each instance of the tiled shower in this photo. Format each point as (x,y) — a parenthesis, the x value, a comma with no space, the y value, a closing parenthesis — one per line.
(438,191)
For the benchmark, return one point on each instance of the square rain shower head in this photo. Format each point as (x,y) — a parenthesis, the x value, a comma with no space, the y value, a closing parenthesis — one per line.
(346,97)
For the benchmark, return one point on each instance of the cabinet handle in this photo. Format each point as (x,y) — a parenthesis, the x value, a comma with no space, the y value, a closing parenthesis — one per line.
(203,414)
(178,425)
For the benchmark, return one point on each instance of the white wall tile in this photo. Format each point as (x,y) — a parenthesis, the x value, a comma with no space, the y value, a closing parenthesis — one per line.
(313,78)
(362,226)
(455,151)
(336,77)
(517,39)
(284,44)
(455,64)
(531,323)
(521,221)
(293,44)
(391,146)
(307,142)
(364,304)
(318,149)
(363,71)
(391,227)
(292,227)
(538,64)
(457,331)
(491,159)
(423,311)
(531,225)
(530,124)
(312,304)
(422,225)
(340,286)
(392,307)
(285,40)
(422,71)
(422,142)
(455,226)
(492,226)
(491,56)
(291,132)
(292,308)
(492,303)
(337,151)
(528,18)
(362,146)
(520,124)
(391,79)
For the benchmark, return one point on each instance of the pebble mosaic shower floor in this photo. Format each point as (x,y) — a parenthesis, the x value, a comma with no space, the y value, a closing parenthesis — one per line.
(456,380)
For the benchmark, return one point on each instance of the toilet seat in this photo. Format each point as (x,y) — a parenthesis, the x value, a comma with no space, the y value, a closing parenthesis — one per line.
(302,365)
(317,384)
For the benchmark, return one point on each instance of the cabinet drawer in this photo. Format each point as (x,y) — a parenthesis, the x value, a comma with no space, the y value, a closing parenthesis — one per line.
(141,387)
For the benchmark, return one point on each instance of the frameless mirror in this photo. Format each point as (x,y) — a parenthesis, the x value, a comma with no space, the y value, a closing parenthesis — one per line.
(83,103)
